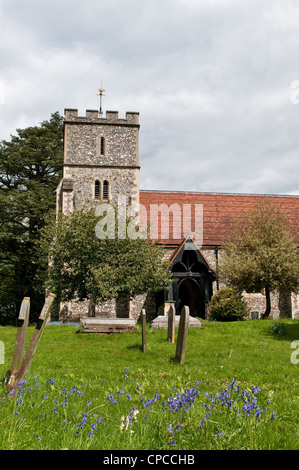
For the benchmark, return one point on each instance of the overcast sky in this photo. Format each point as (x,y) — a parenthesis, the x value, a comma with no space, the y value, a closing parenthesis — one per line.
(211,80)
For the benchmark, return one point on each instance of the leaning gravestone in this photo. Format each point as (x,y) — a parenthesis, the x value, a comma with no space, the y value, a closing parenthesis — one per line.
(182,336)
(21,363)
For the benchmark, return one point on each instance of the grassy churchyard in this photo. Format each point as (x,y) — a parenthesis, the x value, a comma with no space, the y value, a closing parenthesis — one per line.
(237,389)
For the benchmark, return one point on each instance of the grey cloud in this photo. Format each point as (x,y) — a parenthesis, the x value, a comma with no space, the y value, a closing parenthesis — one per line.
(211,81)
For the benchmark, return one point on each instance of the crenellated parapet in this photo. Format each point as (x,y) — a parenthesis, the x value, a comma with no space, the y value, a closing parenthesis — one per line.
(93,116)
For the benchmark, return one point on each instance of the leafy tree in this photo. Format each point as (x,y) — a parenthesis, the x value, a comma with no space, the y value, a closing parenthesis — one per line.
(30,169)
(261,254)
(84,266)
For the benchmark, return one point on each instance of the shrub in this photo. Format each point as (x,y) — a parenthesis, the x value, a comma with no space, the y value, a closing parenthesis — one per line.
(228,305)
(277,328)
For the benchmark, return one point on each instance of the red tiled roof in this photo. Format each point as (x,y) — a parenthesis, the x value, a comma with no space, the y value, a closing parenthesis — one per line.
(219,211)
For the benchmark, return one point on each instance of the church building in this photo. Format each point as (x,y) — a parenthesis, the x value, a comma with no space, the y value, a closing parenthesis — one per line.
(101,163)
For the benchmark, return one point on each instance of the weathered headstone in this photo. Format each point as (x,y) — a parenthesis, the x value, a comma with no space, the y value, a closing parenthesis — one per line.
(182,335)
(171,325)
(254,315)
(21,365)
(107,325)
(21,336)
(143,330)
(162,322)
(275,314)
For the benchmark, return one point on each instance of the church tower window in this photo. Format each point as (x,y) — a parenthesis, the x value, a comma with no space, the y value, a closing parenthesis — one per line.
(105,191)
(102,146)
(97,190)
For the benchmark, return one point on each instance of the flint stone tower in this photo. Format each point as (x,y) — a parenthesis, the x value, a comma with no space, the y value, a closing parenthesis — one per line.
(101,159)
(101,163)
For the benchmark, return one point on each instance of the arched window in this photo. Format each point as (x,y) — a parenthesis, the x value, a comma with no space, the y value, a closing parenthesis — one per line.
(97,190)
(102,146)
(105,191)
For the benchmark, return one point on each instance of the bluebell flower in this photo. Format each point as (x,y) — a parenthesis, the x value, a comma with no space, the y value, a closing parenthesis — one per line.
(20,383)
(111,399)
(171,443)
(256,389)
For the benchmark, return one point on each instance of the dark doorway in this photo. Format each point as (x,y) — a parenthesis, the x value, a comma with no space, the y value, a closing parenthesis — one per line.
(193,279)
(189,295)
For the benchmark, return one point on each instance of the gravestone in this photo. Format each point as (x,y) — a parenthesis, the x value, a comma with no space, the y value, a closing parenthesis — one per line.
(162,322)
(254,315)
(275,314)
(21,336)
(107,325)
(182,336)
(143,314)
(171,325)
(21,363)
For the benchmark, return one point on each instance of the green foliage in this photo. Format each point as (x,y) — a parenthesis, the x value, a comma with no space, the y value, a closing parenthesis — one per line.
(261,253)
(278,327)
(30,169)
(85,267)
(228,305)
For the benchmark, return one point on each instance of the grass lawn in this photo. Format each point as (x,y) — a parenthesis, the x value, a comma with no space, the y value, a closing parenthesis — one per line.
(238,389)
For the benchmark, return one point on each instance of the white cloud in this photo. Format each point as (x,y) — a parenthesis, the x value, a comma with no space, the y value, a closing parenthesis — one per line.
(211,80)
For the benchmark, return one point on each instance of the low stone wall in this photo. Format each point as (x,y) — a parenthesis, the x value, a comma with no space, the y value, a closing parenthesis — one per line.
(284,307)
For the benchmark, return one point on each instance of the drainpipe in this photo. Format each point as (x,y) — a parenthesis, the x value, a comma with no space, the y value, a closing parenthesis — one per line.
(217,259)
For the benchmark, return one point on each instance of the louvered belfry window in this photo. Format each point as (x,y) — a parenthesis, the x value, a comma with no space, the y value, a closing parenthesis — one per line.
(105,191)
(102,146)
(97,190)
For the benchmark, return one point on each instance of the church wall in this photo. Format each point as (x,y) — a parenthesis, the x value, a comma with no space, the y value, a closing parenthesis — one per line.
(116,159)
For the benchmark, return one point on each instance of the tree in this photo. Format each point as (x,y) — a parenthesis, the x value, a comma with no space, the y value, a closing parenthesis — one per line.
(83,266)
(30,169)
(261,254)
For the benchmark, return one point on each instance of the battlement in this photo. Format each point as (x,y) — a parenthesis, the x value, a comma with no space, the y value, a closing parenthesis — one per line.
(71,115)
